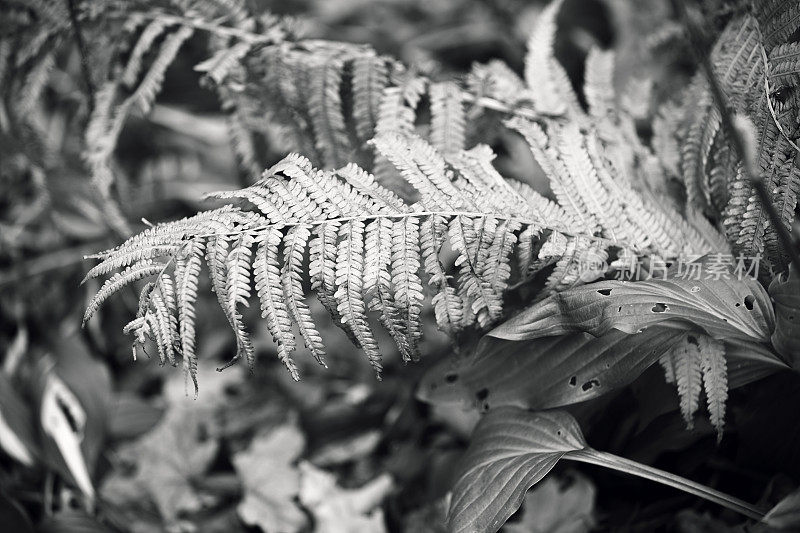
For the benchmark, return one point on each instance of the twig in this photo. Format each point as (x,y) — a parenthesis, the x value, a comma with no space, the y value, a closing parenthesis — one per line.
(696,38)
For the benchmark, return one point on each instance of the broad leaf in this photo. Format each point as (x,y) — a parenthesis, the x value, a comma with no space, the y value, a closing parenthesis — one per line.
(538,373)
(16,429)
(749,362)
(73,397)
(554,506)
(786,337)
(174,454)
(724,309)
(511,451)
(547,372)
(339,510)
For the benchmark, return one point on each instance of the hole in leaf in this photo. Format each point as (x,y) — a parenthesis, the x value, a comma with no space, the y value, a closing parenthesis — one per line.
(572,381)
(62,405)
(589,384)
(748,302)
(482,394)
(660,308)
(605,292)
(619,309)
(451,378)
(737,304)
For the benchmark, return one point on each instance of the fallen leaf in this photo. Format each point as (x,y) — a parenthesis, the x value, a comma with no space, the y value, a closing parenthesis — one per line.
(271,481)
(338,510)
(347,449)
(171,457)
(554,506)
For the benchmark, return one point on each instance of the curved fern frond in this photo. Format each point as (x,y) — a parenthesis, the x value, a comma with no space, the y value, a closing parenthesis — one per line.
(448,120)
(366,248)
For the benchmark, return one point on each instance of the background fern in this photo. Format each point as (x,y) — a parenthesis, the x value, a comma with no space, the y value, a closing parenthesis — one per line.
(596,172)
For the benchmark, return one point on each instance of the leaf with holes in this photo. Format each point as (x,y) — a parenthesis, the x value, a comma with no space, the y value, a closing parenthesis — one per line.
(511,450)
(722,308)
(563,370)
(544,373)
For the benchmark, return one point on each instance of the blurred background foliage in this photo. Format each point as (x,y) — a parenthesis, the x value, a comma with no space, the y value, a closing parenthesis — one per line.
(94,442)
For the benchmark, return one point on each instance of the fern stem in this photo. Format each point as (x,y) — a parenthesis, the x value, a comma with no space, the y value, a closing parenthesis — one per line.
(496,105)
(621,464)
(420,214)
(226,31)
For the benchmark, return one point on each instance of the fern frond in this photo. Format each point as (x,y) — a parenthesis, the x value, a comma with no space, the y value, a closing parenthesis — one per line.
(219,66)
(325,106)
(778,20)
(237,290)
(151,83)
(187,273)
(684,358)
(448,120)
(550,86)
(447,304)
(407,285)
(715,380)
(370,77)
(270,294)
(294,244)
(366,250)
(349,281)
(143,45)
(547,157)
(698,363)
(132,273)
(599,83)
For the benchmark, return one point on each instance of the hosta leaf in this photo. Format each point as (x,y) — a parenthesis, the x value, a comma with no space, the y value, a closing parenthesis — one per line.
(547,372)
(271,482)
(786,337)
(749,362)
(722,308)
(511,451)
(563,370)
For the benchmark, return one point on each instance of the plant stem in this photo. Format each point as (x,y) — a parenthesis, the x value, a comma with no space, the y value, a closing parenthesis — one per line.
(621,464)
